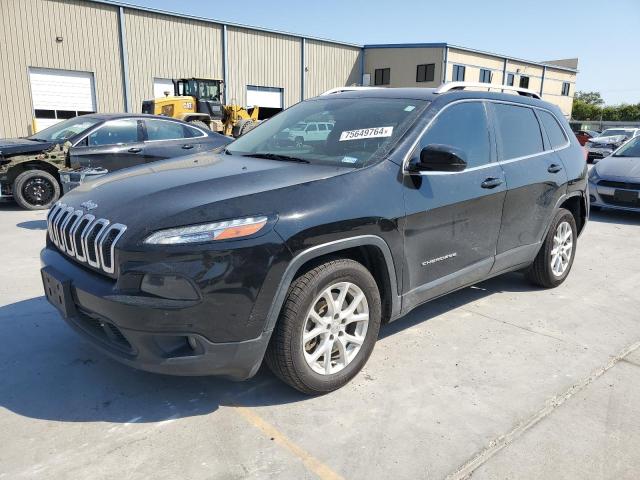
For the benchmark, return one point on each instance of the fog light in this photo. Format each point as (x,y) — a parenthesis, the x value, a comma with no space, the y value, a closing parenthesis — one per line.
(173,287)
(592,198)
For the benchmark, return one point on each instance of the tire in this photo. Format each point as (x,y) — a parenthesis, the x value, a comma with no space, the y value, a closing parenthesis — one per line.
(299,142)
(541,272)
(36,190)
(199,123)
(289,359)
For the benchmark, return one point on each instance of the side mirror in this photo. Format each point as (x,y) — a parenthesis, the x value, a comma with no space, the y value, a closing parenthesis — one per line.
(438,158)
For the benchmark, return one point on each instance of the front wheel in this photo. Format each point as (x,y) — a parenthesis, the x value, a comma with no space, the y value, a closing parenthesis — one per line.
(327,329)
(555,259)
(36,190)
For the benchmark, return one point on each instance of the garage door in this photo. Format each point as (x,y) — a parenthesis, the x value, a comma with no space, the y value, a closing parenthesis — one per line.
(60,94)
(268,97)
(161,85)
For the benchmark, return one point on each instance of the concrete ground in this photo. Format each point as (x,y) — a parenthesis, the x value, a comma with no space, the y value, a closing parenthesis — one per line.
(501,380)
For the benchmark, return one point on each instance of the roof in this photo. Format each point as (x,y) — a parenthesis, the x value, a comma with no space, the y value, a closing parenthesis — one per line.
(472,50)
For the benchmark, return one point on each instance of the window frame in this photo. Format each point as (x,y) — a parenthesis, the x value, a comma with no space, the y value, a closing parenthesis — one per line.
(457,67)
(483,72)
(382,71)
(511,80)
(568,89)
(427,78)
(522,77)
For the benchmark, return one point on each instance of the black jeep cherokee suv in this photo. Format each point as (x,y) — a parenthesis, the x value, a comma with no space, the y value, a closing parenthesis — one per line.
(298,252)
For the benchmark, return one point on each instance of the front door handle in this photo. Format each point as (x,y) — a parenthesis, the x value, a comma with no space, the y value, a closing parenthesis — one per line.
(491,182)
(135,150)
(187,146)
(553,168)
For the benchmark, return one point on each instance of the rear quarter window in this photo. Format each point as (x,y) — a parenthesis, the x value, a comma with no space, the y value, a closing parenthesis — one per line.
(519,131)
(555,133)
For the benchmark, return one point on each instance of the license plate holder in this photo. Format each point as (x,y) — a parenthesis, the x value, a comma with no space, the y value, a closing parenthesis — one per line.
(57,289)
(627,196)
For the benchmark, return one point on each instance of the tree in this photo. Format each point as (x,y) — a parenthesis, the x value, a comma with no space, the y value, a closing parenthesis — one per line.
(590,98)
(589,106)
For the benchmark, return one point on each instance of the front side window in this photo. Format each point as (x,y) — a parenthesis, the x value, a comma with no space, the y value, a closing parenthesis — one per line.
(312,128)
(553,129)
(485,75)
(164,130)
(425,73)
(463,126)
(363,130)
(524,82)
(382,76)
(116,132)
(518,130)
(458,73)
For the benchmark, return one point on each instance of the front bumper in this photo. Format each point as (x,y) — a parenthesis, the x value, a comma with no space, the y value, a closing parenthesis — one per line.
(104,317)
(605,197)
(596,154)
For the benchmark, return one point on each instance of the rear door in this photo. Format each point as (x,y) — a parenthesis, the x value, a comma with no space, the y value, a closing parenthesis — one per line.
(114,145)
(168,139)
(453,218)
(536,179)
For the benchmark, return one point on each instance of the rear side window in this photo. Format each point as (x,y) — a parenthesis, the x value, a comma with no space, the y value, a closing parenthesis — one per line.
(464,126)
(115,132)
(518,130)
(553,129)
(164,130)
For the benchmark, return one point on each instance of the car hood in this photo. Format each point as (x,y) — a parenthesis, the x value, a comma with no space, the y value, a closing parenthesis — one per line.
(619,167)
(192,189)
(608,139)
(16,146)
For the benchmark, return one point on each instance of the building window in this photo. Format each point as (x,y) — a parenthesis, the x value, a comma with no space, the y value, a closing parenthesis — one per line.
(565,89)
(426,73)
(485,75)
(382,76)
(524,82)
(458,73)
(510,78)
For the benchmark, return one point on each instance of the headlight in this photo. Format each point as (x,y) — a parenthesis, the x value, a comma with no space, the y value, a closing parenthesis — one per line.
(207,232)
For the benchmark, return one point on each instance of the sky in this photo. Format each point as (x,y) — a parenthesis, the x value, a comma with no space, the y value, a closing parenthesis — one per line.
(603,34)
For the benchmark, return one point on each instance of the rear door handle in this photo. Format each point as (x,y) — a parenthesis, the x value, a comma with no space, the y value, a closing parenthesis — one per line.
(135,150)
(491,182)
(553,168)
(187,146)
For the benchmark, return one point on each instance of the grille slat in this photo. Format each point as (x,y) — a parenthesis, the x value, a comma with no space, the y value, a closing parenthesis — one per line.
(83,237)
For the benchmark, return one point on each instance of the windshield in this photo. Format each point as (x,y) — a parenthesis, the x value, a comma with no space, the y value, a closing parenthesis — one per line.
(613,131)
(629,149)
(339,132)
(202,89)
(65,130)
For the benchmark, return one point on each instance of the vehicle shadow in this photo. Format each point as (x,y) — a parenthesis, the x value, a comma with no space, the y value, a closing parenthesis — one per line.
(48,372)
(614,216)
(9,206)
(33,225)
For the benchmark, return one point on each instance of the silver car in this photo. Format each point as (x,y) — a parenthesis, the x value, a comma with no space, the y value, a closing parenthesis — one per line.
(604,144)
(615,181)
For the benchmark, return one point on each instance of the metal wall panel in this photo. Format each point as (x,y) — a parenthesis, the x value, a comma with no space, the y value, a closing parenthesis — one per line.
(329,66)
(403,64)
(160,46)
(28,31)
(262,59)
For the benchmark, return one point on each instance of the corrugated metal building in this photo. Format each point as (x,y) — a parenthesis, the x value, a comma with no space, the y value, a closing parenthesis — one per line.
(61,58)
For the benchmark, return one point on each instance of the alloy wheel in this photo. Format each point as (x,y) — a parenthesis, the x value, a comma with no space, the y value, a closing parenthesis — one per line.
(562,249)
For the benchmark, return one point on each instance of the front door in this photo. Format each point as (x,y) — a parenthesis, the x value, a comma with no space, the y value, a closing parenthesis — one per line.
(114,145)
(168,139)
(453,219)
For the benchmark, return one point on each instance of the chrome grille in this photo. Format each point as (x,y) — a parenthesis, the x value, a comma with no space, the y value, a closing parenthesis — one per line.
(84,237)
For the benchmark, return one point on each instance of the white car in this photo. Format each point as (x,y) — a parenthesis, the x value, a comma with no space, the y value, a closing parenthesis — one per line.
(604,144)
(310,132)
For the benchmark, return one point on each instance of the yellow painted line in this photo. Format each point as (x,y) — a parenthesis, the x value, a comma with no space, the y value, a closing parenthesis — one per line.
(313,464)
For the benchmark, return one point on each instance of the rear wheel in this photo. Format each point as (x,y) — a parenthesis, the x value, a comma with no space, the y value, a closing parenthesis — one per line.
(555,259)
(327,328)
(36,190)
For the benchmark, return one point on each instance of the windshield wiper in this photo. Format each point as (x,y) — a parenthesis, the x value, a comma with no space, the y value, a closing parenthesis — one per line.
(38,139)
(276,156)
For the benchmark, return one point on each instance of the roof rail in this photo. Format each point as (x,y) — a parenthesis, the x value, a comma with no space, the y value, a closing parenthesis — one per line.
(447,87)
(347,89)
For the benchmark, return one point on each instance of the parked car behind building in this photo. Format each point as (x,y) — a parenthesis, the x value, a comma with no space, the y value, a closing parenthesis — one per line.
(30,168)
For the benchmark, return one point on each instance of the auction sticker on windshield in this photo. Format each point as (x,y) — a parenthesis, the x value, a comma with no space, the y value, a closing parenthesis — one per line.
(376,132)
